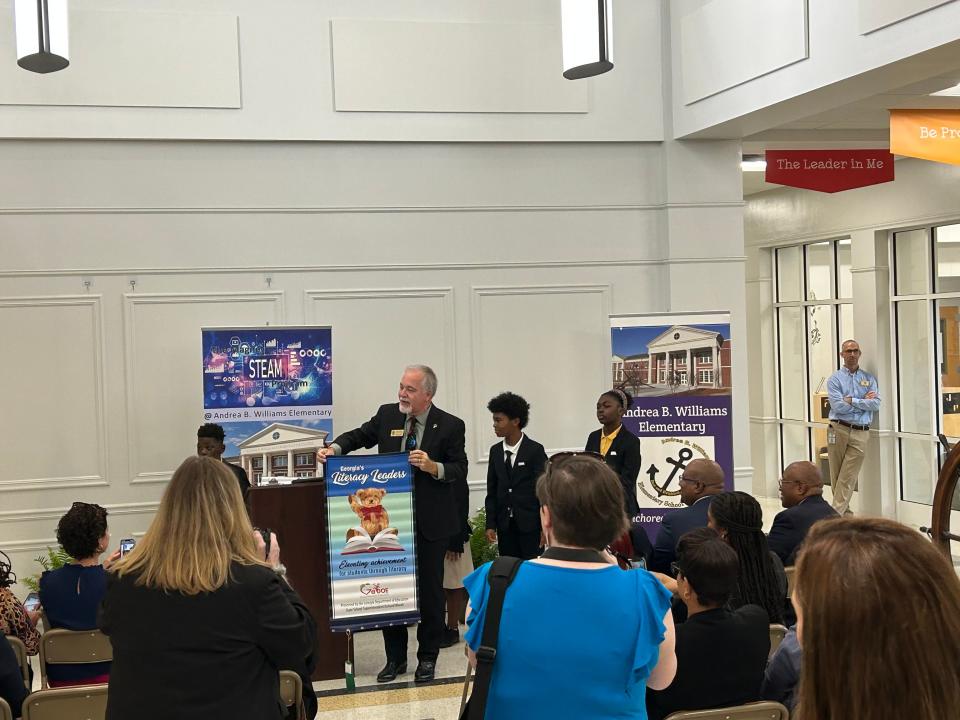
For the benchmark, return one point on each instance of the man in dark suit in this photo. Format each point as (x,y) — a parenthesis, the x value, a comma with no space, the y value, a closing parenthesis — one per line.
(721,654)
(700,481)
(210,444)
(801,493)
(513,511)
(435,441)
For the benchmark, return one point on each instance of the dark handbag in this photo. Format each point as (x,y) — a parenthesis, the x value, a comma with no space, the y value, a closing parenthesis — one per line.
(501,574)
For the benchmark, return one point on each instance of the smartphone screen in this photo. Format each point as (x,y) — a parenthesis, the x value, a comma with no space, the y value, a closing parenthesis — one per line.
(126,545)
(32,601)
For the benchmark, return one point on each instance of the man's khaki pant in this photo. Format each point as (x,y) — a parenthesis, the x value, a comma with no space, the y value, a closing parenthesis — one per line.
(846,456)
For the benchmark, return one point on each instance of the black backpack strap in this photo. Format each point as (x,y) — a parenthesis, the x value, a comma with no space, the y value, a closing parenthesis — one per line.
(501,574)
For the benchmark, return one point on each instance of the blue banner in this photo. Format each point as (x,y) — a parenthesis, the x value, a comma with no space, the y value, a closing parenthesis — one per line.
(271,388)
(371,542)
(677,368)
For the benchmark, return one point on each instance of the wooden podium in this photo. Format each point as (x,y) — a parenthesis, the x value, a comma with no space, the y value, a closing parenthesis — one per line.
(297,514)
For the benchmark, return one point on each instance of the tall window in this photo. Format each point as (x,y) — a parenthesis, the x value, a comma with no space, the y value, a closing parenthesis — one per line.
(813,316)
(926,322)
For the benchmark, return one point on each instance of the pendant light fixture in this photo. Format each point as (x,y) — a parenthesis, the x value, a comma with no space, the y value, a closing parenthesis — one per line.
(43,44)
(587,37)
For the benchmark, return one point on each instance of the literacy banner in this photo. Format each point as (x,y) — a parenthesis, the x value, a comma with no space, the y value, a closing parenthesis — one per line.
(271,389)
(677,368)
(370,541)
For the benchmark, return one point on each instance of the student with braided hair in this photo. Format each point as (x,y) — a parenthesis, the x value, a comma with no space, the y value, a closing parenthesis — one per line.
(619,447)
(737,517)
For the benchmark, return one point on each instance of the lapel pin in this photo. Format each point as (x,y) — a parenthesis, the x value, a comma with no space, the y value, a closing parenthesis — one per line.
(434,426)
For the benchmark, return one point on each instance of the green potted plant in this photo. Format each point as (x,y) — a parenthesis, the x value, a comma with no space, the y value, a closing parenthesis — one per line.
(481,549)
(52,560)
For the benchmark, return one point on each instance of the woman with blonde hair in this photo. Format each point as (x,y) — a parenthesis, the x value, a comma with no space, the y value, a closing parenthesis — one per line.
(199,615)
(878,619)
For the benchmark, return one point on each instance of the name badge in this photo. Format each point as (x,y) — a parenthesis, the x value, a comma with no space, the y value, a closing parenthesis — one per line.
(612,452)
(521,464)
(865,383)
(396,433)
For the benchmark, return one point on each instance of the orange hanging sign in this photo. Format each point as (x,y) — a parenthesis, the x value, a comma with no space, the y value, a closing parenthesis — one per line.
(928,134)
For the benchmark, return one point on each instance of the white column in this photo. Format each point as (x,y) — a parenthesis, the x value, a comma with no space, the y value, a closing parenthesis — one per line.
(689,368)
(290,472)
(266,465)
(651,358)
(716,367)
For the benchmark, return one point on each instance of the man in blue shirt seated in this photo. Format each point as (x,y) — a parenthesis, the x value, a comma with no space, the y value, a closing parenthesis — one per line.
(854,398)
(801,493)
(721,653)
(700,481)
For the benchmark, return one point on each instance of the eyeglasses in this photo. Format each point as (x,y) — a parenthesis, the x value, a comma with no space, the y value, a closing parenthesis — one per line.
(675,569)
(782,482)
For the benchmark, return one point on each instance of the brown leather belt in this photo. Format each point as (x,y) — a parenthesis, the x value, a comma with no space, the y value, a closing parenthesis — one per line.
(851,425)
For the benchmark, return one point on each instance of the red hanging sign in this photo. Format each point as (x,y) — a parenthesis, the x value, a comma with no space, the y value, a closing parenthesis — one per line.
(829,170)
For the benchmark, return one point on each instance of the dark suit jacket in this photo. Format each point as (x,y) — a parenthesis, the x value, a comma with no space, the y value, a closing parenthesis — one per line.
(674,525)
(212,655)
(242,479)
(437,513)
(624,459)
(721,656)
(516,490)
(790,526)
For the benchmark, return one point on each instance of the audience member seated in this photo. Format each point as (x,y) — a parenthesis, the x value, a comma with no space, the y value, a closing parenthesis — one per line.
(200,617)
(15,619)
(739,520)
(579,638)
(879,623)
(721,653)
(12,688)
(801,493)
(700,482)
(783,672)
(70,595)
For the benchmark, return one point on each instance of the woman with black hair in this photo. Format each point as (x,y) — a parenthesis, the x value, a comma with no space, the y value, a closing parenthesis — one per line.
(15,619)
(619,447)
(70,595)
(737,517)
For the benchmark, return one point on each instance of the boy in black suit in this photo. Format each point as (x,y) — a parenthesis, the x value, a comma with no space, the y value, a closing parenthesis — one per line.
(210,438)
(513,511)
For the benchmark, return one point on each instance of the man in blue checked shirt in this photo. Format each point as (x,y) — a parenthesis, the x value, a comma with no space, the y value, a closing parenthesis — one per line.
(853,400)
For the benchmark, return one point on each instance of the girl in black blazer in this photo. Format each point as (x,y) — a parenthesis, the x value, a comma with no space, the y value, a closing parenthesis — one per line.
(198,614)
(623,454)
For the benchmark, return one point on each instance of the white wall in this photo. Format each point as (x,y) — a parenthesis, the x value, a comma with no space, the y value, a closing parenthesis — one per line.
(776,61)
(254,70)
(507,257)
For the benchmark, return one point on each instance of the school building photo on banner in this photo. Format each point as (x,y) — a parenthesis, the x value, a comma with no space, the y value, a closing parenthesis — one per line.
(657,360)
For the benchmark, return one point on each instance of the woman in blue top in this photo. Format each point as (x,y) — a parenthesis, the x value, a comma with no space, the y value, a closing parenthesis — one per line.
(71,594)
(579,638)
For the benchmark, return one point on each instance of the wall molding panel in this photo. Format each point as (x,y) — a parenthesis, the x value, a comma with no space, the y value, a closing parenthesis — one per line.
(99,394)
(272,300)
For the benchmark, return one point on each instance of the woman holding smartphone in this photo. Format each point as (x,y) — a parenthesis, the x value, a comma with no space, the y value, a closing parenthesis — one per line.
(199,615)
(15,618)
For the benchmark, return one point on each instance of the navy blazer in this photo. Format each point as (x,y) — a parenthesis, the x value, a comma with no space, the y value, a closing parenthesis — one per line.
(516,491)
(674,525)
(624,459)
(790,527)
(438,514)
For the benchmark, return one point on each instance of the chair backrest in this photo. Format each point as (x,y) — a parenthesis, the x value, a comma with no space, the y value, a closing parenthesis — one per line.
(790,571)
(20,650)
(73,647)
(84,702)
(777,633)
(291,691)
(5,712)
(751,711)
